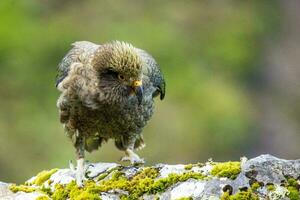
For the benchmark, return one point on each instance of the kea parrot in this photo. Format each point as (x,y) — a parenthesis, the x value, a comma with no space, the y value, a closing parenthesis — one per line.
(107,92)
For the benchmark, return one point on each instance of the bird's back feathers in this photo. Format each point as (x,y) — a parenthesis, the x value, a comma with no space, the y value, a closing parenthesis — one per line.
(81,52)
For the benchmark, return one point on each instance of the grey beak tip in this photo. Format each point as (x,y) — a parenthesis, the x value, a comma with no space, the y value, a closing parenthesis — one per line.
(139,94)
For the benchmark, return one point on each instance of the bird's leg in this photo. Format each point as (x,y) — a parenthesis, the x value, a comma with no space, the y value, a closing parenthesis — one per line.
(130,155)
(80,170)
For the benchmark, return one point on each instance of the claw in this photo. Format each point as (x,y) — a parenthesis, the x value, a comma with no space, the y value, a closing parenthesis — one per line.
(133,158)
(81,171)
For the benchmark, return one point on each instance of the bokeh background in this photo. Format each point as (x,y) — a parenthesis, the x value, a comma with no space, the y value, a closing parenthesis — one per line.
(232,72)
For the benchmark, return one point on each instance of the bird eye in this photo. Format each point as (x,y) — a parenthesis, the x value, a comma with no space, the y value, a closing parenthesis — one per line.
(121,77)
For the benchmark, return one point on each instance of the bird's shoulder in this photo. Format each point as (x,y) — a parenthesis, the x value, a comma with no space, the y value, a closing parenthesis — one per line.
(81,52)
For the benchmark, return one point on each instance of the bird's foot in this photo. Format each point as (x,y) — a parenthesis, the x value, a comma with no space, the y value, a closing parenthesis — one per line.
(86,166)
(133,161)
(133,158)
(81,171)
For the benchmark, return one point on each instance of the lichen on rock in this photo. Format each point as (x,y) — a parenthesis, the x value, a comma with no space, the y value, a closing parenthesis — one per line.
(264,177)
(21,188)
(43,176)
(43,197)
(241,195)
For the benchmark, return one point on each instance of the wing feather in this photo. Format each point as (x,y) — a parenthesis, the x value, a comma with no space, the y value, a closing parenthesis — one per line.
(81,52)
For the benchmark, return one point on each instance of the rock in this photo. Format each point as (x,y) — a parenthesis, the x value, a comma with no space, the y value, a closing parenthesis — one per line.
(281,169)
(190,188)
(263,177)
(6,194)
(4,191)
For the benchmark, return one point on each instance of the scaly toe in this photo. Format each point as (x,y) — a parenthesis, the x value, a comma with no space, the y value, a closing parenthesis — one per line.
(79,183)
(71,166)
(79,178)
(137,161)
(133,160)
(125,159)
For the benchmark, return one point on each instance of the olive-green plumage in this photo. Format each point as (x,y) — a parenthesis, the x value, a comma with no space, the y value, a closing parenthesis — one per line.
(107,92)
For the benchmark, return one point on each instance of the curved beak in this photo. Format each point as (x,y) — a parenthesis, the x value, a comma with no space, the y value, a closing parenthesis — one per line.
(138,90)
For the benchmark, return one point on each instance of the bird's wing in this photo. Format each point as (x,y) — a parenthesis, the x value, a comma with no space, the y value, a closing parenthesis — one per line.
(154,73)
(81,52)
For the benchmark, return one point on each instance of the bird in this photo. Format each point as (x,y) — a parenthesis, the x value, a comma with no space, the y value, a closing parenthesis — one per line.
(107,91)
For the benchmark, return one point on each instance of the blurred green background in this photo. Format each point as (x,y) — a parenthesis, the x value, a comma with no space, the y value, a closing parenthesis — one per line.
(229,92)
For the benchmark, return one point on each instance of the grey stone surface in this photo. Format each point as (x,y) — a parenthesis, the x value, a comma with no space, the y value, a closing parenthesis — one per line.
(265,169)
(272,169)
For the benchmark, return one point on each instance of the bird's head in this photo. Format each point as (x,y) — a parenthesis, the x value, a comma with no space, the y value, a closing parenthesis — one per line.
(120,71)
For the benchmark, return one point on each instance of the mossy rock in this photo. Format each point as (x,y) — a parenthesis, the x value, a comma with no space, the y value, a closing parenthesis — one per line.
(248,179)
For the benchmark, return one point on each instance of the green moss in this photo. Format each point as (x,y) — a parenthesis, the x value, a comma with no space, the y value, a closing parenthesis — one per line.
(185,198)
(270,187)
(228,169)
(188,167)
(106,173)
(292,186)
(241,195)
(46,190)
(137,186)
(39,180)
(292,182)
(60,192)
(73,192)
(244,195)
(43,176)
(144,182)
(293,193)
(255,186)
(49,181)
(102,176)
(42,198)
(24,188)
(123,197)
(162,184)
(225,196)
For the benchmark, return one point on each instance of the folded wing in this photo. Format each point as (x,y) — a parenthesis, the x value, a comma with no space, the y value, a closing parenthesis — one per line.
(81,52)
